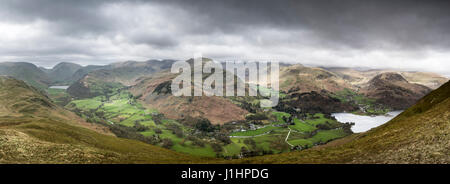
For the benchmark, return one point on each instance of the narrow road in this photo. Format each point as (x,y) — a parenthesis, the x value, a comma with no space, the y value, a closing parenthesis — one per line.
(249,136)
(287,137)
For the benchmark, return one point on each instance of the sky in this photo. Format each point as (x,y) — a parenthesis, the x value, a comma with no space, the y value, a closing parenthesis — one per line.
(406,35)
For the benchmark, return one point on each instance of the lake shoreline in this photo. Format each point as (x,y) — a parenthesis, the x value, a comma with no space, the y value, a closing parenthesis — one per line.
(364,123)
(58,87)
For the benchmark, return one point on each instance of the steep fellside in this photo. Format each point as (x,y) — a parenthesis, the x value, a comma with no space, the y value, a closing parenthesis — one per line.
(34,130)
(421,134)
(301,79)
(311,90)
(27,72)
(315,102)
(61,74)
(80,73)
(393,90)
(156,93)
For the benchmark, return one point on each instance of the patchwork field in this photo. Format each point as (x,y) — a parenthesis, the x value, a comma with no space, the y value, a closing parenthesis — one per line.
(124,111)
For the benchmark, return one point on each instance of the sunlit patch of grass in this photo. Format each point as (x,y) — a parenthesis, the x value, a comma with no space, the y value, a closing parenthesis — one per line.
(255,132)
(279,116)
(302,126)
(87,104)
(321,137)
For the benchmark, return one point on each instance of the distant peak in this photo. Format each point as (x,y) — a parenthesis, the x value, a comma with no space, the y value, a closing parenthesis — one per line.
(65,64)
(390,76)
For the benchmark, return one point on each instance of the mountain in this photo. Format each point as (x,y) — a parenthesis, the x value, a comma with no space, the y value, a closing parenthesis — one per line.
(155,93)
(80,73)
(315,102)
(300,79)
(428,79)
(394,91)
(360,77)
(27,72)
(34,130)
(348,89)
(94,84)
(421,134)
(61,74)
(111,77)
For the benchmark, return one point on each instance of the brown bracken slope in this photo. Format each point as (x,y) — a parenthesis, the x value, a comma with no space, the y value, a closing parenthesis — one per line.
(394,91)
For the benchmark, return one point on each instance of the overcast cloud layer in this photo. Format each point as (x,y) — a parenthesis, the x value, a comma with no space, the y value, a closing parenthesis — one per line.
(409,35)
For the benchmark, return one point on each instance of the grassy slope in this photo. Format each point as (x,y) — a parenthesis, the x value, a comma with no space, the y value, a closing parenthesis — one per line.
(119,111)
(255,132)
(27,72)
(34,130)
(155,95)
(421,134)
(61,73)
(308,79)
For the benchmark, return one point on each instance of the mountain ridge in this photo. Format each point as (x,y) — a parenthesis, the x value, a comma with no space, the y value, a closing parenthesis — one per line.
(393,90)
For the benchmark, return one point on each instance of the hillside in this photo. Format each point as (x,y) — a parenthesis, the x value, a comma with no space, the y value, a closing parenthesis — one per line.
(421,134)
(367,92)
(34,130)
(210,126)
(27,72)
(155,93)
(300,79)
(394,91)
(114,76)
(361,77)
(61,74)
(315,102)
(80,73)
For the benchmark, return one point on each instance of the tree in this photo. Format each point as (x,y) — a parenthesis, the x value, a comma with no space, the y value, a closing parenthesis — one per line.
(244,151)
(139,127)
(256,116)
(216,147)
(100,114)
(219,155)
(204,125)
(198,142)
(131,133)
(175,130)
(179,133)
(167,143)
(250,142)
(158,131)
(158,118)
(223,138)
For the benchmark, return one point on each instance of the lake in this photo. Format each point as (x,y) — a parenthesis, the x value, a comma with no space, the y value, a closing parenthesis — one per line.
(364,123)
(59,87)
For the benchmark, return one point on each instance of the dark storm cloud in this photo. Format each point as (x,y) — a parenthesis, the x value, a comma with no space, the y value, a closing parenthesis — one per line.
(104,30)
(69,17)
(356,23)
(158,41)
